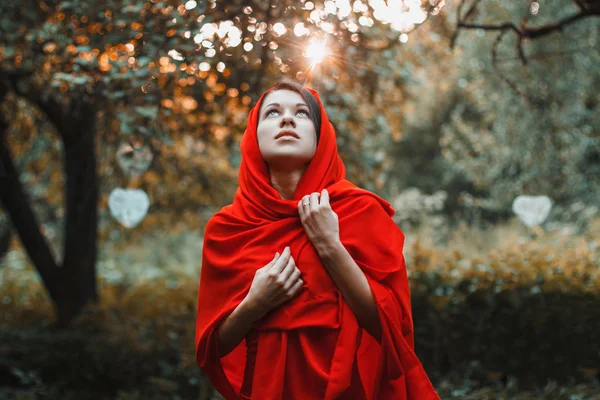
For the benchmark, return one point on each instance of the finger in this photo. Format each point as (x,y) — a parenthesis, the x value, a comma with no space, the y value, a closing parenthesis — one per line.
(301,210)
(305,205)
(314,201)
(291,292)
(272,262)
(280,263)
(288,269)
(296,288)
(295,275)
(324,197)
(306,200)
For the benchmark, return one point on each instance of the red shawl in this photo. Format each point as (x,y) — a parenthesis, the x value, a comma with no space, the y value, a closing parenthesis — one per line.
(311,347)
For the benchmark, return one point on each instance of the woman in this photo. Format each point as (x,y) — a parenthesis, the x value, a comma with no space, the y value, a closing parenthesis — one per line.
(303,291)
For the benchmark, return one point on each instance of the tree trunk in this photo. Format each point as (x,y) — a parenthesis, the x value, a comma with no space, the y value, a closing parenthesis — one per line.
(73,284)
(81,224)
(5,237)
(17,206)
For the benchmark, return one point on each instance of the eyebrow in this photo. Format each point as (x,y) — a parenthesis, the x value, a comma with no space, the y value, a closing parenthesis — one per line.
(277,104)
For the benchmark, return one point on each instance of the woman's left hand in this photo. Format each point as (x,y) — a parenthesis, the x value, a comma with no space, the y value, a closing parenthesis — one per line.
(319,221)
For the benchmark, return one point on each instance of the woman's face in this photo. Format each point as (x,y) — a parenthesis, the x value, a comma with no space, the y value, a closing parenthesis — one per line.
(286,134)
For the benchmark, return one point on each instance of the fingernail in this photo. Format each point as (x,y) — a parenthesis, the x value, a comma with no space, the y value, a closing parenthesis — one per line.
(276,254)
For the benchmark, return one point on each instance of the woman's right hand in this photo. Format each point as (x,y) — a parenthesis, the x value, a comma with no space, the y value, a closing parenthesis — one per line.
(274,284)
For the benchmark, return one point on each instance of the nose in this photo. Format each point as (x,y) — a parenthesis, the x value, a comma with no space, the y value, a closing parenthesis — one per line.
(287,120)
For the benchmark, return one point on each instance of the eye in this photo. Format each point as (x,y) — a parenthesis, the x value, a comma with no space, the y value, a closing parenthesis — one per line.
(273,110)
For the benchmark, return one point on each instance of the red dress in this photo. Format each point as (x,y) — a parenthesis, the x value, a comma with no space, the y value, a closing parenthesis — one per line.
(312,346)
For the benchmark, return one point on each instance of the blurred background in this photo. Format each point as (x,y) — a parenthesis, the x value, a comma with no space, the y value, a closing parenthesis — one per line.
(120,124)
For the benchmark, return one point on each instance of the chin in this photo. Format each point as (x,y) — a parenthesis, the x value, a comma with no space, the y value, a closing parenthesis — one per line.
(287,160)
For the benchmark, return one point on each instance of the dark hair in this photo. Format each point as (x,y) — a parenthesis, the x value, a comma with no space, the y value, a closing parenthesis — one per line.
(310,99)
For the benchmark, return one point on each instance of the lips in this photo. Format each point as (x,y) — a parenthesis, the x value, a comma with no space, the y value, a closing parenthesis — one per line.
(287,133)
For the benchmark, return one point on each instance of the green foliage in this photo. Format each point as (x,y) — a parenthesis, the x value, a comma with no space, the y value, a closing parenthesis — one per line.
(486,317)
(541,138)
(523,315)
(407,114)
(138,338)
(465,130)
(181,81)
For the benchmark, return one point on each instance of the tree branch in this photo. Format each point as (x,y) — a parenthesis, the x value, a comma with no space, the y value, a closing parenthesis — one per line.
(579,4)
(467,16)
(523,32)
(546,54)
(527,32)
(50,107)
(17,205)
(510,83)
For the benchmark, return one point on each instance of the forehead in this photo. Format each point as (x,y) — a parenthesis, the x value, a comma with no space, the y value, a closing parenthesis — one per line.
(285,97)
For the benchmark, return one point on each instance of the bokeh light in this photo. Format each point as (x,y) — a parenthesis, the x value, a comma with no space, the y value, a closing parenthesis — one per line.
(316,51)
(279,29)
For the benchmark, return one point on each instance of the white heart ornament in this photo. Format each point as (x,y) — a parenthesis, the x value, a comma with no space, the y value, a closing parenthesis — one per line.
(134,161)
(128,206)
(532,210)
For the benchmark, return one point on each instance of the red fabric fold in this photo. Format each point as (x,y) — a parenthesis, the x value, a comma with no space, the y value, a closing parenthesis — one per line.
(311,347)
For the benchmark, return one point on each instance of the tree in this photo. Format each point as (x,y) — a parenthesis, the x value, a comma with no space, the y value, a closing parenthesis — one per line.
(568,14)
(155,71)
(467,129)
(528,127)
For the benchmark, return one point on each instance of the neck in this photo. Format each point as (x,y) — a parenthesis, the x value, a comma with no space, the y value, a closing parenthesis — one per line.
(285,182)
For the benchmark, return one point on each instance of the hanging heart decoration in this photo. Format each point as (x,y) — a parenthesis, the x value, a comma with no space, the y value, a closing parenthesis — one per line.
(134,161)
(128,206)
(532,210)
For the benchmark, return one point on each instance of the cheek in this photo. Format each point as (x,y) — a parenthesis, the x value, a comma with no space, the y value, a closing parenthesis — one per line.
(263,145)
(267,126)
(309,133)
(262,133)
